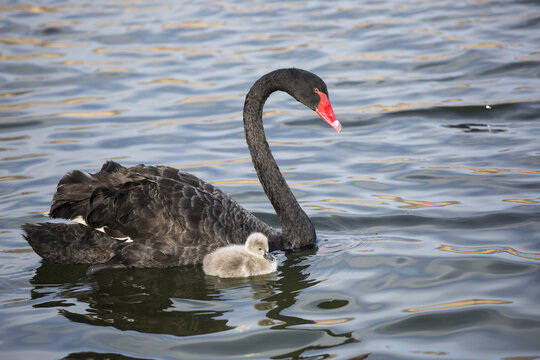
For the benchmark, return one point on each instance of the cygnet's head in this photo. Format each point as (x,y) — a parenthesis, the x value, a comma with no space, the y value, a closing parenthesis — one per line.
(257,244)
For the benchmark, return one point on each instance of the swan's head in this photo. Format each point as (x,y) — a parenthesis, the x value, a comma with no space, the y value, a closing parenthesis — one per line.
(310,90)
(257,244)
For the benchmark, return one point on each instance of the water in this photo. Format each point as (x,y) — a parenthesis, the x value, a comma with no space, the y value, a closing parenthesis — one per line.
(426,206)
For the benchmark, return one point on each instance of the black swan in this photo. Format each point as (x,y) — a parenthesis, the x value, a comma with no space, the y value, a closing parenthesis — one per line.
(158,216)
(250,259)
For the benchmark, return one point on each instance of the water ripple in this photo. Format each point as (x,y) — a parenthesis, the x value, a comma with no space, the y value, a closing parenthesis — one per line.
(426,205)
(456,304)
(489,251)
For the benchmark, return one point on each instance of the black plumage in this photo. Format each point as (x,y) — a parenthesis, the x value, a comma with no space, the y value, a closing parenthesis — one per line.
(158,216)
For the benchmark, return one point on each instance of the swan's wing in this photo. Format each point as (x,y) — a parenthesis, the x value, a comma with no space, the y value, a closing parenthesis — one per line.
(145,202)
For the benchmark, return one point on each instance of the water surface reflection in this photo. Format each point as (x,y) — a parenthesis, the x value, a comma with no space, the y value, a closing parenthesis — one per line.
(185,302)
(426,205)
(137,299)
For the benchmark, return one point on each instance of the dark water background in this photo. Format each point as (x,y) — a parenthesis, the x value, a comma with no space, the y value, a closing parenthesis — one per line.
(427,206)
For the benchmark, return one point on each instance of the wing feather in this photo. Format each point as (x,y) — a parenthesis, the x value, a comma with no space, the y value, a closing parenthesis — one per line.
(173,217)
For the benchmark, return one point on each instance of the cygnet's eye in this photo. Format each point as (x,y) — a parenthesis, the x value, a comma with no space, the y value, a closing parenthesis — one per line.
(260,249)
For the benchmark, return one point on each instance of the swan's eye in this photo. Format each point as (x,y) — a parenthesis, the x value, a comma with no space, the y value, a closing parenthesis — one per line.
(260,249)
(316,91)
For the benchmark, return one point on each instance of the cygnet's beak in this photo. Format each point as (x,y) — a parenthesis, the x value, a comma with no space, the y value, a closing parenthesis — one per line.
(269,256)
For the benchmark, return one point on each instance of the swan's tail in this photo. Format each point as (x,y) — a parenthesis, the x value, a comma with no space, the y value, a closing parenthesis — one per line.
(69,243)
(77,191)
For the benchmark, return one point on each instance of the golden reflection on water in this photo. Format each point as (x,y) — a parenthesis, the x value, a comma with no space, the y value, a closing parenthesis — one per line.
(525,88)
(90,114)
(62,141)
(122,50)
(347,201)
(381,22)
(31,41)
(39,9)
(522,201)
(490,251)
(17,251)
(365,242)
(452,38)
(323,208)
(208,98)
(66,114)
(527,58)
(14,138)
(167,48)
(269,36)
(400,106)
(134,27)
(155,60)
(452,100)
(143,9)
(30,56)
(431,57)
(202,52)
(405,106)
(277,49)
(195,50)
(362,177)
(416,204)
(22,157)
(59,23)
(455,304)
(110,23)
(235,182)
(333,321)
(193,24)
(153,124)
(483,171)
(23,193)
(362,56)
(314,182)
(80,62)
(9,120)
(76,128)
(277,143)
(375,56)
(424,31)
(15,93)
(318,207)
(21,106)
(246,9)
(395,160)
(489,45)
(177,82)
(439,353)
(15,177)
(116,69)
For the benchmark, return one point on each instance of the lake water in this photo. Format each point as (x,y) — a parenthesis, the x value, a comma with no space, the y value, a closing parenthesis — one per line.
(427,205)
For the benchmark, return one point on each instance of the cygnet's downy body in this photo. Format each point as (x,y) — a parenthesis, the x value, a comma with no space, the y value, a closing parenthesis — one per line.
(249,259)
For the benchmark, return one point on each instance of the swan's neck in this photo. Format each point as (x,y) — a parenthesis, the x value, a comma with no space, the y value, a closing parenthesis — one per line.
(296,226)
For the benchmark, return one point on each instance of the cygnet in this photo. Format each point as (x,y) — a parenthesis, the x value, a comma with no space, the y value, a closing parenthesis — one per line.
(250,259)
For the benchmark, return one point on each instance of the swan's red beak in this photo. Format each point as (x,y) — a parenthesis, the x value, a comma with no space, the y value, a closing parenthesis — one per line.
(326,112)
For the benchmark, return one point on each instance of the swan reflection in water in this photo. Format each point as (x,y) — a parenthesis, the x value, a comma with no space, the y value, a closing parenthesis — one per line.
(177,301)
